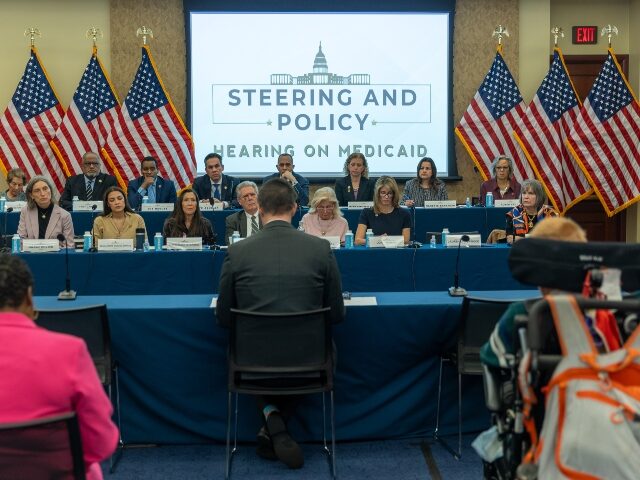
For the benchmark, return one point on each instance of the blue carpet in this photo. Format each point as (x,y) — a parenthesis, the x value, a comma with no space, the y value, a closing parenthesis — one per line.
(383,460)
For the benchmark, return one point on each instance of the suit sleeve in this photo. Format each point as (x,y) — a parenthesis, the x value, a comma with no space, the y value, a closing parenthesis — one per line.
(67,228)
(302,188)
(66,199)
(133,196)
(99,434)
(340,193)
(172,197)
(226,296)
(198,188)
(333,288)
(22,223)
(230,225)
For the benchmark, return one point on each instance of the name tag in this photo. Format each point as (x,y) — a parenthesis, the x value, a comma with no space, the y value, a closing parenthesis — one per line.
(207,207)
(334,241)
(359,205)
(506,203)
(440,204)
(41,246)
(184,243)
(453,239)
(386,241)
(157,207)
(17,205)
(115,244)
(87,206)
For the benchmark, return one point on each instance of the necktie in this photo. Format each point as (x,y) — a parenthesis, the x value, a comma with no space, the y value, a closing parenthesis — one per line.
(216,191)
(254,225)
(151,193)
(89,189)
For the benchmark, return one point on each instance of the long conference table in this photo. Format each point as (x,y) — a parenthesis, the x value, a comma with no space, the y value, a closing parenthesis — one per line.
(474,219)
(173,374)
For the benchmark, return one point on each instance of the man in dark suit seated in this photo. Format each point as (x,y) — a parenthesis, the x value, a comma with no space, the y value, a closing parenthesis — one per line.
(215,186)
(279,270)
(300,184)
(89,185)
(156,188)
(247,221)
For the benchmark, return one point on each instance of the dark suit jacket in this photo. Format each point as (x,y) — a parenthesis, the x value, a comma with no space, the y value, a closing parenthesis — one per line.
(202,186)
(301,188)
(344,190)
(76,187)
(237,222)
(165,192)
(279,270)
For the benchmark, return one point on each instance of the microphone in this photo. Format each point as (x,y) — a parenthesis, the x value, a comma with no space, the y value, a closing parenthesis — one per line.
(93,240)
(457,290)
(67,293)
(5,247)
(413,243)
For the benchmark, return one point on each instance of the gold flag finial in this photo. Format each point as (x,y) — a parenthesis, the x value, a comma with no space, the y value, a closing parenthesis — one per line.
(557,32)
(32,33)
(609,31)
(145,32)
(500,32)
(93,34)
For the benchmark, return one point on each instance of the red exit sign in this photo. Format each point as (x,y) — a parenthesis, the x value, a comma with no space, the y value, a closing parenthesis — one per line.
(585,35)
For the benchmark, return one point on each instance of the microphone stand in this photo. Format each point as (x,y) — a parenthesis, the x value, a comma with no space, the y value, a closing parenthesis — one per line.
(413,243)
(457,290)
(67,293)
(5,247)
(93,240)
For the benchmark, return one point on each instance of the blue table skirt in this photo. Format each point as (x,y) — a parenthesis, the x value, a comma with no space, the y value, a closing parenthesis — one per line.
(178,273)
(173,375)
(479,219)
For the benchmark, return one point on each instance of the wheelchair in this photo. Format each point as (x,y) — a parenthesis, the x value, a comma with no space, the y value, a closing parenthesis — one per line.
(573,268)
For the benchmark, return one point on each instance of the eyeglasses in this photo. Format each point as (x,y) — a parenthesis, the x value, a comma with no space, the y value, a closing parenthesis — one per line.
(502,168)
(90,164)
(325,207)
(386,194)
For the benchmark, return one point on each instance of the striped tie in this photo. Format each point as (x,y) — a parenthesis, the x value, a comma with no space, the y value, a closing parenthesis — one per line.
(254,225)
(89,189)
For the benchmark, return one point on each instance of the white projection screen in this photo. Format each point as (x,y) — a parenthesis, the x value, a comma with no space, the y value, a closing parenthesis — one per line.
(321,85)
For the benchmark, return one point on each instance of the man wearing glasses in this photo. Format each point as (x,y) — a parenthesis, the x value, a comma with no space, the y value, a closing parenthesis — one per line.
(150,185)
(247,221)
(89,185)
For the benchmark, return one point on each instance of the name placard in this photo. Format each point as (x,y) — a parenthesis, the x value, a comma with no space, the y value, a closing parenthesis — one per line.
(157,207)
(17,205)
(333,240)
(440,204)
(115,244)
(207,207)
(41,246)
(184,243)
(87,206)
(386,241)
(506,203)
(453,239)
(359,205)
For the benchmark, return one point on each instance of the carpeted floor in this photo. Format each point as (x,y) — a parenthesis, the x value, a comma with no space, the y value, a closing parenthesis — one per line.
(384,460)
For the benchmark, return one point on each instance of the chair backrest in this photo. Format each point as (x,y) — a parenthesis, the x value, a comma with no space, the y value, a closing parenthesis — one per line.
(90,323)
(44,448)
(478,318)
(280,344)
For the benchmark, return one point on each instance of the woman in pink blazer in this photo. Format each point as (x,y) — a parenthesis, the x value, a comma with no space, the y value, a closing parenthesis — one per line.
(42,218)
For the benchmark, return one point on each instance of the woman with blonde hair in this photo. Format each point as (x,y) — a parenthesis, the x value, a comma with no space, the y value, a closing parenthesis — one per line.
(325,218)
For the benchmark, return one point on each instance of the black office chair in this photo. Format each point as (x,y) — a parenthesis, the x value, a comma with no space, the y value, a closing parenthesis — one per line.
(90,323)
(298,360)
(43,448)
(477,320)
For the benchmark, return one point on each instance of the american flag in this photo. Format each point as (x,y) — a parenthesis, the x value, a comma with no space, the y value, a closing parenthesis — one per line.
(486,127)
(88,120)
(148,124)
(29,123)
(605,139)
(546,124)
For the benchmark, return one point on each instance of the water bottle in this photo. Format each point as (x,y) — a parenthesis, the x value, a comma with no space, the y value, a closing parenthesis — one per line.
(3,203)
(15,243)
(157,242)
(145,199)
(86,244)
(235,237)
(467,202)
(488,200)
(348,239)
(368,236)
(432,242)
(445,232)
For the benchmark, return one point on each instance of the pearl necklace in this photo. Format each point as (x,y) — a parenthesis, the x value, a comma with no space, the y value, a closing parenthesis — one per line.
(325,228)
